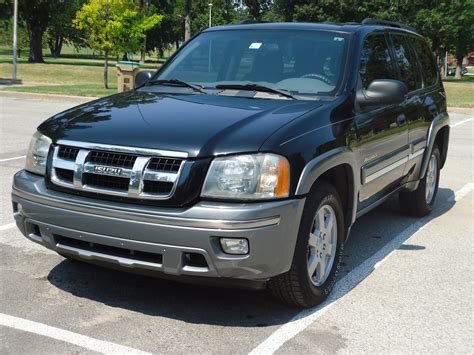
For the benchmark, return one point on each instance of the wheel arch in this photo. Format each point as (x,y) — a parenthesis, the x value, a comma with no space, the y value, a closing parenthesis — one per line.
(338,167)
(438,134)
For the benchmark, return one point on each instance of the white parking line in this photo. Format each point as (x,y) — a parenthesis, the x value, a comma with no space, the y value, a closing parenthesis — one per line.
(83,341)
(462,122)
(304,319)
(7,226)
(14,158)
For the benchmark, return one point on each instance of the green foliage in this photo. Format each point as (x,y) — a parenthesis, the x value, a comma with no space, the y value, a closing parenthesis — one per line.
(6,34)
(114,26)
(257,8)
(60,28)
(223,12)
(170,30)
(6,10)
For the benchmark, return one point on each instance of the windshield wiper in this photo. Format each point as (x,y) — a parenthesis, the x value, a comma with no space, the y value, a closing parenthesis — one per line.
(180,83)
(257,87)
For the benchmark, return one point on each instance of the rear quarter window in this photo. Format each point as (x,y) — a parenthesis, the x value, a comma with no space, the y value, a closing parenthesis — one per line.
(426,59)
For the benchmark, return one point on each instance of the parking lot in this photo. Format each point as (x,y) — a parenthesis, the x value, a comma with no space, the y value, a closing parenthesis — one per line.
(406,283)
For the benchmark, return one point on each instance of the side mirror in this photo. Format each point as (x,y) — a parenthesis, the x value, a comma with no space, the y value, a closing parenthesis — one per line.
(142,77)
(382,92)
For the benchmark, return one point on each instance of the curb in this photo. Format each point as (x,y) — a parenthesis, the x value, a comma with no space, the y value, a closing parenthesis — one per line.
(31,95)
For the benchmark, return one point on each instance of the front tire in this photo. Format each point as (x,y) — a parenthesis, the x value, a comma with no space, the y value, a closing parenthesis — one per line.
(318,251)
(420,202)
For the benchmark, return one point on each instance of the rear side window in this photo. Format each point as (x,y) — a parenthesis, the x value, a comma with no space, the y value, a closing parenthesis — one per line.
(428,66)
(406,63)
(375,60)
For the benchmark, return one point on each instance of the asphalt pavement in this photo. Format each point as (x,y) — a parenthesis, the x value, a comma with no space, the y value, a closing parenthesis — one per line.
(405,286)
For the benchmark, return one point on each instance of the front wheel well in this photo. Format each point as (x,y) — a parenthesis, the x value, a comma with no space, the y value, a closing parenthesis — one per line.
(342,178)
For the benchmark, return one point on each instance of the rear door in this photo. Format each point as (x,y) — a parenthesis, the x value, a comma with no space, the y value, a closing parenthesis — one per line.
(382,134)
(410,73)
(431,103)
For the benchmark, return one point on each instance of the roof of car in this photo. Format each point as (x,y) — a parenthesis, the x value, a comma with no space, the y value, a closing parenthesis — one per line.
(343,27)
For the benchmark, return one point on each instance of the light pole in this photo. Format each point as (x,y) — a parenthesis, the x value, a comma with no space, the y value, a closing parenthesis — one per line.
(210,14)
(15,37)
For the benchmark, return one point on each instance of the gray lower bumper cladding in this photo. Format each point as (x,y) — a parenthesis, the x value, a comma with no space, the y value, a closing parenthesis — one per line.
(170,241)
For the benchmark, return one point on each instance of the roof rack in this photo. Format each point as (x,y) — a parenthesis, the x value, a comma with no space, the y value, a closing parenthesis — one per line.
(250,21)
(376,21)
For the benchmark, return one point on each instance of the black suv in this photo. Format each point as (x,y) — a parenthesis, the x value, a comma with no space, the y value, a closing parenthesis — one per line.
(245,159)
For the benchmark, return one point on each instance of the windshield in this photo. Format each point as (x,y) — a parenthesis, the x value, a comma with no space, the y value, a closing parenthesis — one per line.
(300,62)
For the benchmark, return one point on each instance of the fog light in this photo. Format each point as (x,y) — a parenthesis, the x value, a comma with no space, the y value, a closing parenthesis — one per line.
(234,246)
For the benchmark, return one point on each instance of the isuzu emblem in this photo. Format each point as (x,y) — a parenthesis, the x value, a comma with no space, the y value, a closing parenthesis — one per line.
(107,170)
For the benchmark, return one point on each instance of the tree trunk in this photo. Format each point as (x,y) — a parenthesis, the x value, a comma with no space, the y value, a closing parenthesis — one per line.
(143,51)
(106,70)
(55,46)
(459,58)
(36,45)
(187,20)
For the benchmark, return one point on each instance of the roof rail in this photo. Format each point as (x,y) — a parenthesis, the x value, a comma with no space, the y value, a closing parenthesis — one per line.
(376,21)
(250,21)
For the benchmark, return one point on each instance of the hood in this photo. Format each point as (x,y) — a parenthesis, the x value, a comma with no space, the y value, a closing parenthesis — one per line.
(201,125)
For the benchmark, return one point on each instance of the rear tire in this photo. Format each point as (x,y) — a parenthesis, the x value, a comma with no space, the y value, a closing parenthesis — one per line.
(420,202)
(318,251)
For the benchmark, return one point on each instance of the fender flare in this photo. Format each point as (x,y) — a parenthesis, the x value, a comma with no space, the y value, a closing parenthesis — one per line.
(440,121)
(323,163)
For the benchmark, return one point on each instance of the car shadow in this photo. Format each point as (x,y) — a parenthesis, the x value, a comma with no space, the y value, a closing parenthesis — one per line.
(196,304)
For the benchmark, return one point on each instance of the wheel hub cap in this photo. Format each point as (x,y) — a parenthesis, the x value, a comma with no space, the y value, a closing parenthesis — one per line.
(322,245)
(431,177)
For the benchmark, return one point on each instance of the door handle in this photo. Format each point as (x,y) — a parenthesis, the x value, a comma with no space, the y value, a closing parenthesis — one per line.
(401,119)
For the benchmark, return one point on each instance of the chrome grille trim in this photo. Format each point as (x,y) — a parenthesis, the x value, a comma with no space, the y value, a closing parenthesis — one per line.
(137,175)
(124,149)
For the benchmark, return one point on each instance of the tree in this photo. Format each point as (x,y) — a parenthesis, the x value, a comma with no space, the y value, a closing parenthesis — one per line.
(6,35)
(170,30)
(187,19)
(223,12)
(458,29)
(60,29)
(37,15)
(114,27)
(257,8)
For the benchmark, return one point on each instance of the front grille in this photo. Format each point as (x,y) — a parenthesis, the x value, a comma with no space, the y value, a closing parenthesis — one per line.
(65,175)
(113,170)
(112,159)
(157,187)
(163,164)
(68,153)
(106,182)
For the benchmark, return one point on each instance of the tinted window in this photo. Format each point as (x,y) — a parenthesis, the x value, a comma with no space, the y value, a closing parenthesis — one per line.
(428,66)
(303,62)
(406,63)
(375,61)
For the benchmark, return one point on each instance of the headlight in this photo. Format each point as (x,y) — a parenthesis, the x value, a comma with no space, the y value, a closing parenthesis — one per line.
(37,154)
(250,176)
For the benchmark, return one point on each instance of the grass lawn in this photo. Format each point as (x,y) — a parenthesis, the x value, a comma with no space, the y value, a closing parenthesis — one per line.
(66,76)
(460,93)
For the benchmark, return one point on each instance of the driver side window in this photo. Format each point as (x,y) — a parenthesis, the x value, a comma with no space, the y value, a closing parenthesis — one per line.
(375,60)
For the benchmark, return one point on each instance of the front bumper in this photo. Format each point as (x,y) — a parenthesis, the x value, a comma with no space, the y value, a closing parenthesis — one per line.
(171,241)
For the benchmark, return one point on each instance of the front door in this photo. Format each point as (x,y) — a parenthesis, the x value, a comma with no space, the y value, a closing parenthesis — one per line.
(382,133)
